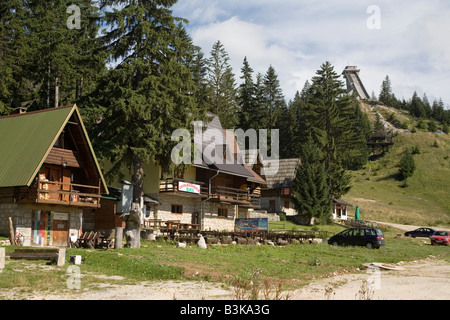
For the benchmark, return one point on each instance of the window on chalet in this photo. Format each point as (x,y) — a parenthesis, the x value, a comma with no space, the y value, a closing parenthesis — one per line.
(221,212)
(177,209)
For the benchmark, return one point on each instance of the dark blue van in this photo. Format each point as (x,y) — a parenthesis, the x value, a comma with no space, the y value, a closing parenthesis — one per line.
(369,237)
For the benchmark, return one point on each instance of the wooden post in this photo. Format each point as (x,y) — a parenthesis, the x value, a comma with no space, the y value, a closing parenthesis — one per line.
(118,238)
(61,256)
(11,232)
(2,259)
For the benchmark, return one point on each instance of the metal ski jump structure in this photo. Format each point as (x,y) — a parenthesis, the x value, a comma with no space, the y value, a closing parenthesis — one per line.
(354,84)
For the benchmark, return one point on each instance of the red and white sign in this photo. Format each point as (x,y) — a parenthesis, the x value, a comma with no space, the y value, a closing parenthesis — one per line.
(188,187)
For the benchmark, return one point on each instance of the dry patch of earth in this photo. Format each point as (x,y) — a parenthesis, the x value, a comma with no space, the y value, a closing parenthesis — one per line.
(426,279)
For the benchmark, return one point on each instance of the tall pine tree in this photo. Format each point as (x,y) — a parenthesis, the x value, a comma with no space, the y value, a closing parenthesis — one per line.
(273,98)
(386,95)
(148,94)
(248,107)
(312,194)
(67,60)
(223,100)
(331,112)
(14,50)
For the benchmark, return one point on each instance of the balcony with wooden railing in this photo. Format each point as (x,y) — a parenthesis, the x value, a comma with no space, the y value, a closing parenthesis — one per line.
(71,194)
(222,194)
(244,198)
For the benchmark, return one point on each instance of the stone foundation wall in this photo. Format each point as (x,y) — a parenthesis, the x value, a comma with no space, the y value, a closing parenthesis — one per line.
(211,220)
(279,205)
(269,216)
(22,217)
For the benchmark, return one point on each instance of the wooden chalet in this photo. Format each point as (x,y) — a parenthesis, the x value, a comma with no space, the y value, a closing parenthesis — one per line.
(48,175)
(203,196)
(277,196)
(212,195)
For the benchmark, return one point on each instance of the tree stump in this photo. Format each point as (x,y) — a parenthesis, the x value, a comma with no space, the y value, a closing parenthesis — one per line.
(132,230)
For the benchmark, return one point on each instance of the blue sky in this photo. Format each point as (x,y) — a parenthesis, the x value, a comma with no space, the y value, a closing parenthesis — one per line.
(407,40)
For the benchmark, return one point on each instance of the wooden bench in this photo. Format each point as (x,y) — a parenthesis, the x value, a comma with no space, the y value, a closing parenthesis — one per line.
(57,255)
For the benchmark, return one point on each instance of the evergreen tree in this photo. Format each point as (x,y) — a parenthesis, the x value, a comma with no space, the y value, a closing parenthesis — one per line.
(432,126)
(445,128)
(407,165)
(373,95)
(305,91)
(378,125)
(386,96)
(426,106)
(358,151)
(248,106)
(223,87)
(332,128)
(148,94)
(15,51)
(261,121)
(416,107)
(199,69)
(437,111)
(312,195)
(284,125)
(44,62)
(273,97)
(300,121)
(66,62)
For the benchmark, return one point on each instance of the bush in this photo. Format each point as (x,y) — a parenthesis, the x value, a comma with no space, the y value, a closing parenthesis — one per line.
(416,150)
(421,124)
(445,128)
(432,126)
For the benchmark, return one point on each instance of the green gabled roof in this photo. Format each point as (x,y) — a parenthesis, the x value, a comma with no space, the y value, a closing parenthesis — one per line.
(25,141)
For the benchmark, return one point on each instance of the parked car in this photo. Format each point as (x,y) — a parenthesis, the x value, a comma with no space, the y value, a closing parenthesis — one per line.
(421,232)
(369,237)
(440,237)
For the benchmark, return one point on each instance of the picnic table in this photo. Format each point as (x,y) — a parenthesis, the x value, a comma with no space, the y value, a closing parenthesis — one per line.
(155,223)
(172,224)
(93,240)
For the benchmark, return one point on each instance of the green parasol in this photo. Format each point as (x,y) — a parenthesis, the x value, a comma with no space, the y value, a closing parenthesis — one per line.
(357,215)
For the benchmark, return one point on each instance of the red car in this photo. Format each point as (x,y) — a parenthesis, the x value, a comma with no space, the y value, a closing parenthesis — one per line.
(440,237)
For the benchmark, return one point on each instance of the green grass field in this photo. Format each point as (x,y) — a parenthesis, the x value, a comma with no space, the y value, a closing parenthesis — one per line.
(425,200)
(292,265)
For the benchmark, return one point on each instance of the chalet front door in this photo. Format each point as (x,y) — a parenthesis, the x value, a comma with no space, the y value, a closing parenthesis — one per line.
(60,232)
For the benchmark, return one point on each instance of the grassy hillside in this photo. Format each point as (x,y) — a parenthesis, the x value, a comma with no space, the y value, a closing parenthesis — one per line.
(426,198)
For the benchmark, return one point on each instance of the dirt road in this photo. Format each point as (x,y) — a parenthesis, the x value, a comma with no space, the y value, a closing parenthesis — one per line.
(427,279)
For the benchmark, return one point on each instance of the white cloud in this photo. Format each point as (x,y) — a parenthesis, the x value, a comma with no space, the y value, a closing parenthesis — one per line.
(296,37)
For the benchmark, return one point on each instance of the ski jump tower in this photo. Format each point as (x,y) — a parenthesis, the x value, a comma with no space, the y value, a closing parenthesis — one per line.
(354,84)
